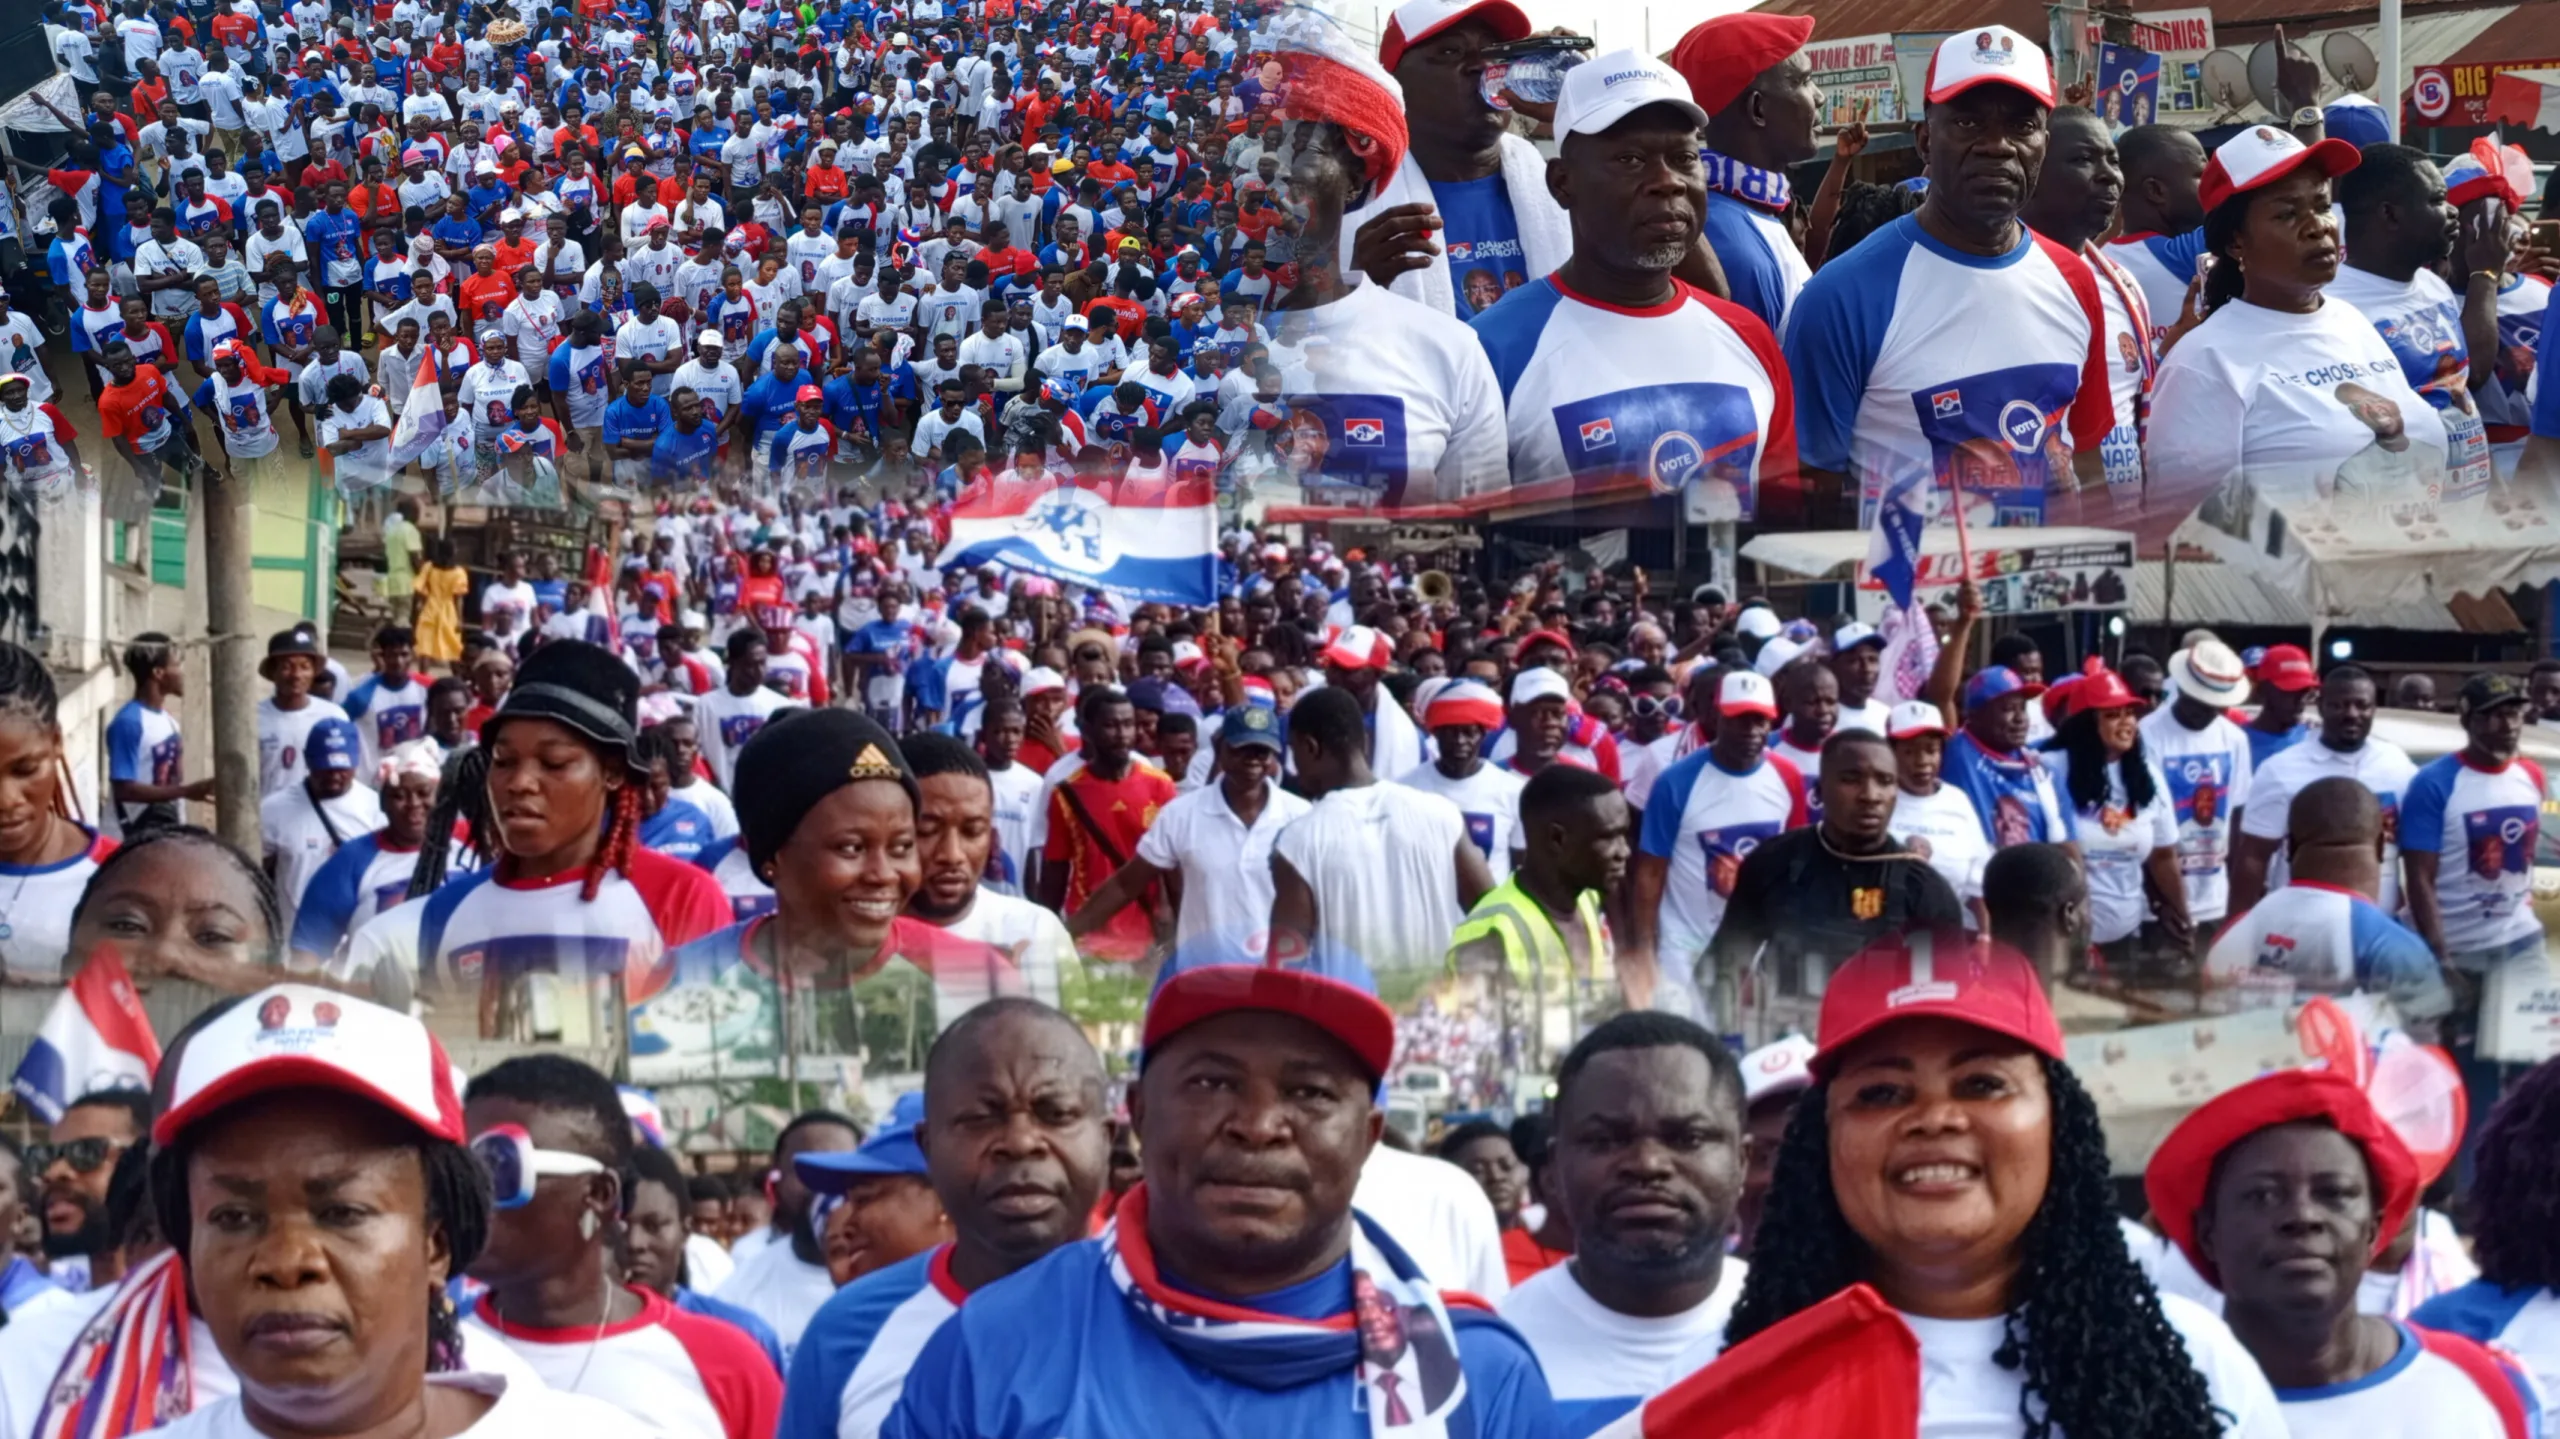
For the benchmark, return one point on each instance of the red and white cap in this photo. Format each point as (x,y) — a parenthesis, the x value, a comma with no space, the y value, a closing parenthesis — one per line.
(1042,680)
(1419,20)
(1921,976)
(295,1036)
(233,350)
(2262,155)
(1914,718)
(1781,1067)
(1992,55)
(1608,88)
(1744,693)
(1359,648)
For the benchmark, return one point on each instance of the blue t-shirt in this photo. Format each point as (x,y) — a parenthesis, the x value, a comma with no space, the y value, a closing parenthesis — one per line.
(683,456)
(623,419)
(1105,1372)
(678,831)
(2264,747)
(769,401)
(2546,399)
(462,232)
(1481,237)
(2014,795)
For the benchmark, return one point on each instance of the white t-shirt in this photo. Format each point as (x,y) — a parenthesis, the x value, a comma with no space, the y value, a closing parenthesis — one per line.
(2416,1395)
(1036,938)
(1601,1363)
(301,833)
(669,1369)
(2421,320)
(280,740)
(2378,765)
(2208,772)
(2255,392)
(1435,1212)
(724,722)
(2115,840)
(1965,1393)
(1226,868)
(1017,791)
(1397,404)
(1381,862)
(1489,801)
(525,1410)
(1951,829)
(778,1287)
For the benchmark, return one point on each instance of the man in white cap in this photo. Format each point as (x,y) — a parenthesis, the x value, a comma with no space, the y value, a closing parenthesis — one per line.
(1706,814)
(1615,373)
(1354,663)
(1956,341)
(1471,198)
(1403,408)
(1935,820)
(1772,1076)
(1857,662)
(2206,760)
(1458,716)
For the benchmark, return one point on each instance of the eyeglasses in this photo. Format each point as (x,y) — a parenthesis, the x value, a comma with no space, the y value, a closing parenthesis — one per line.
(1646,706)
(515,1166)
(83,1155)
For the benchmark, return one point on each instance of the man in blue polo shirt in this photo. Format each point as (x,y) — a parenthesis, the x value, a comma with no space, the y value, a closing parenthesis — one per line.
(1016,1140)
(1239,1292)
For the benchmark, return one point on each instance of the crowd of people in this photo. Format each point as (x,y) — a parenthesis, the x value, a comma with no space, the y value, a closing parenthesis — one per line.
(1733,955)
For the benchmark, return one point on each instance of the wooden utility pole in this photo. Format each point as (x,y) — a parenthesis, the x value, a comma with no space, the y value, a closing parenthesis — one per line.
(229,616)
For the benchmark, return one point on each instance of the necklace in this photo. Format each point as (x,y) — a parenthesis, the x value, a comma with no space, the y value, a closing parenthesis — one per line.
(604,1316)
(8,929)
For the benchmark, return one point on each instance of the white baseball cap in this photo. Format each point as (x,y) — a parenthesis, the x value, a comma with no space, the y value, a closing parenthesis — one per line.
(2262,155)
(1781,1067)
(1914,718)
(1601,92)
(1741,692)
(296,1036)
(1419,20)
(1041,680)
(1758,622)
(1776,655)
(1852,635)
(1540,683)
(1992,55)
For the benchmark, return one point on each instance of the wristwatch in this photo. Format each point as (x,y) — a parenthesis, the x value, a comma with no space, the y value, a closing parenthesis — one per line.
(2307,115)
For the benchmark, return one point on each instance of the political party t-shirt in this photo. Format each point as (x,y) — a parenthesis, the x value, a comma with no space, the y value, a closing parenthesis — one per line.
(143,747)
(2208,771)
(677,830)
(2421,320)
(387,715)
(365,877)
(281,733)
(1690,394)
(478,922)
(1706,819)
(302,832)
(1601,1363)
(2164,266)
(672,1369)
(1396,406)
(2379,765)
(1746,229)
(853,1358)
(725,860)
(2014,795)
(1987,371)
(1943,828)
(2483,825)
(2130,363)
(525,1409)
(2298,404)
(2311,938)
(2523,1319)
(1481,238)
(35,911)
(2115,840)
(725,722)
(2507,406)
(1489,801)
(2417,1394)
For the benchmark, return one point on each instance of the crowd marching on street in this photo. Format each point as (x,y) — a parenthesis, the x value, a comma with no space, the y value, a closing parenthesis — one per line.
(954,692)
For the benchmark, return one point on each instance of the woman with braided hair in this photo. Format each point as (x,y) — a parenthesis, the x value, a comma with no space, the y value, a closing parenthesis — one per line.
(1947,1162)
(570,890)
(46,853)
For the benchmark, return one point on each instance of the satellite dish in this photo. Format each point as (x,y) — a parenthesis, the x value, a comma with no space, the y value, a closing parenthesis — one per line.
(2226,81)
(2262,74)
(2349,60)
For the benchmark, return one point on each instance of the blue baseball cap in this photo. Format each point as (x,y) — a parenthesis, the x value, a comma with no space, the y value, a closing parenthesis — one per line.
(1251,725)
(1994,683)
(891,1149)
(333,744)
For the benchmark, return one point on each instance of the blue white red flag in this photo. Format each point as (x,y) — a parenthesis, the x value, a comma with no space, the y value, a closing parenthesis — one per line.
(1152,540)
(96,1037)
(1893,547)
(421,416)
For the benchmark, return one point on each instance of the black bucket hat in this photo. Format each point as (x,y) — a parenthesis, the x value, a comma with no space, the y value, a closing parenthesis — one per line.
(582,686)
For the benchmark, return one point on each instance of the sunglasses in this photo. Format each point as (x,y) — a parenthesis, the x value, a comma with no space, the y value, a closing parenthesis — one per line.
(83,1155)
(1646,706)
(515,1166)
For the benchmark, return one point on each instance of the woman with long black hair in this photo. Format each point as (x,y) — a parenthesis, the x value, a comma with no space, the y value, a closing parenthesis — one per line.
(1947,1159)
(555,783)
(2121,814)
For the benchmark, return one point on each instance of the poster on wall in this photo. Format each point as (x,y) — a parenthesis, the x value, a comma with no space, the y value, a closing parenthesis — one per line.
(2128,86)
(1858,81)
(2022,579)
(2179,40)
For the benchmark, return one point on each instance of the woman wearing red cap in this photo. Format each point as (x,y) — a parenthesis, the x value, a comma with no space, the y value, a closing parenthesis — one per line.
(2122,814)
(2282,391)
(2282,1192)
(1947,1160)
(310,1177)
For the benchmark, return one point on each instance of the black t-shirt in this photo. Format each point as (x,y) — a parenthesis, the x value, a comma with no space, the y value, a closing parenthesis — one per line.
(1813,906)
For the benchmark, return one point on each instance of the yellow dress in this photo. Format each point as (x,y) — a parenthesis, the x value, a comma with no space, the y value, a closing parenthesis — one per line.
(440,592)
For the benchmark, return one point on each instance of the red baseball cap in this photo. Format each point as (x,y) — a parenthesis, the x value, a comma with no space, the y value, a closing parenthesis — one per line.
(2288,668)
(2181,1170)
(1359,648)
(1925,975)
(295,1036)
(808,392)
(1992,55)
(1341,1007)
(1419,20)
(2262,155)
(1721,57)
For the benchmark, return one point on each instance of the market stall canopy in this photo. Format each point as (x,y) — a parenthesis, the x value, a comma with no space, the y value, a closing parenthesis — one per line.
(2017,569)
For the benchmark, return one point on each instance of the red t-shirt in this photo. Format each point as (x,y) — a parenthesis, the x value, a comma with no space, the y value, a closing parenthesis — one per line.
(1121,813)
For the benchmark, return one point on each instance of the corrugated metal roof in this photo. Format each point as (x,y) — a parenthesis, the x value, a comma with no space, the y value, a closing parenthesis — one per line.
(2211,593)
